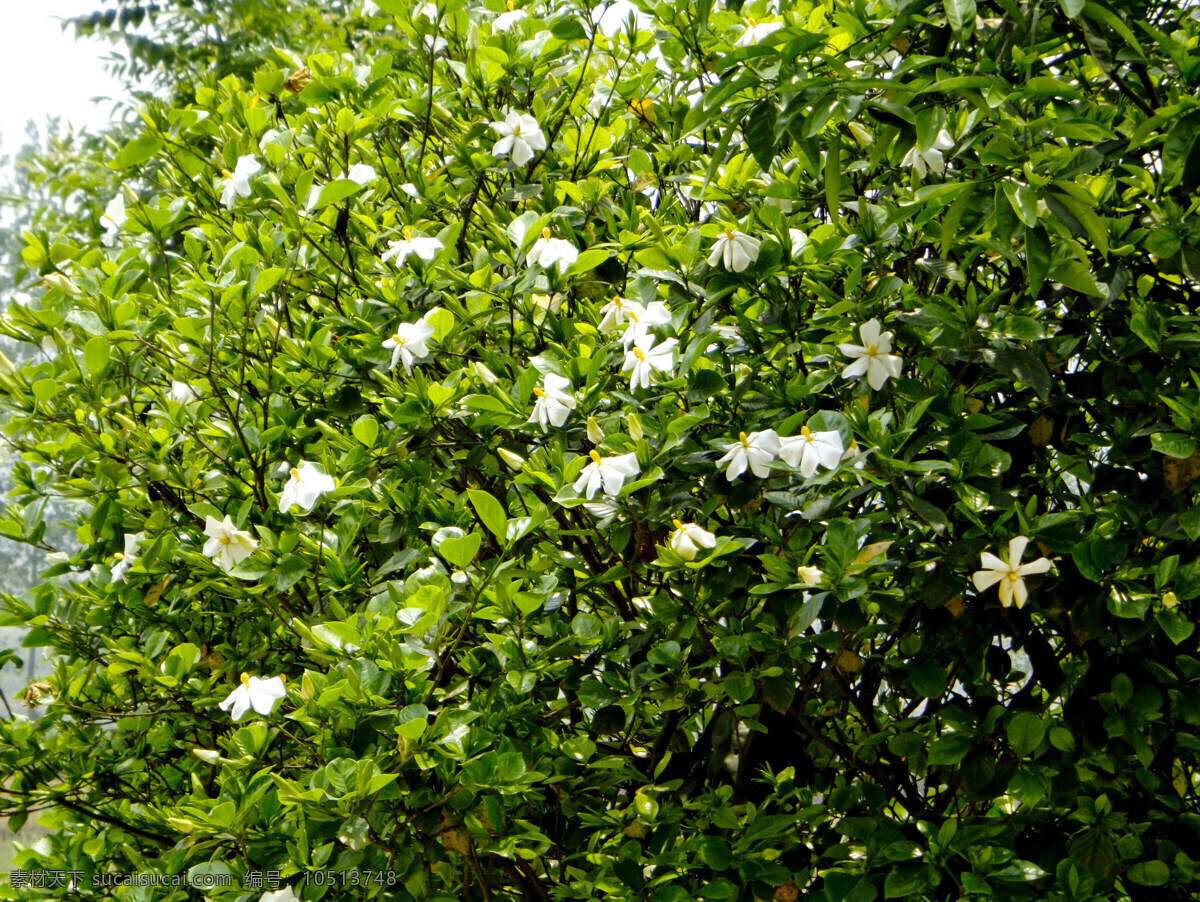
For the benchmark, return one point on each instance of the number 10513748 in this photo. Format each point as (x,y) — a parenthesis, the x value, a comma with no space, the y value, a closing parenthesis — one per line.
(353,877)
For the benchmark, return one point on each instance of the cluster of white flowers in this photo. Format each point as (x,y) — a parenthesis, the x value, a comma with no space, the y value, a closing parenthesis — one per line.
(806,451)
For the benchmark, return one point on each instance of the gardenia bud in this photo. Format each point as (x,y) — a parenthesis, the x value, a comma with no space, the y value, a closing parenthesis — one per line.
(486,376)
(635,427)
(594,433)
(1169,601)
(514,461)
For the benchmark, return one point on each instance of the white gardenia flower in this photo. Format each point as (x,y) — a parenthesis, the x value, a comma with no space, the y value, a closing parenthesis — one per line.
(280,895)
(126,558)
(799,241)
(756,31)
(304,486)
(113,219)
(688,539)
(873,357)
(1009,574)
(256,693)
(520,135)
(735,250)
(507,20)
(809,448)
(554,402)
(429,11)
(617,312)
(609,472)
(611,17)
(810,576)
(226,543)
(755,451)
(409,343)
(182,392)
(921,160)
(425,248)
(641,321)
(645,357)
(361,174)
(547,251)
(237,183)
(371,8)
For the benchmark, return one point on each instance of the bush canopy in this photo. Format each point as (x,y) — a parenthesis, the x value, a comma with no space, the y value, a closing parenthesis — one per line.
(663,451)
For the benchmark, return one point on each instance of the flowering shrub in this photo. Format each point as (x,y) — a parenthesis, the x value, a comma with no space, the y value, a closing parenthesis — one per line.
(736,343)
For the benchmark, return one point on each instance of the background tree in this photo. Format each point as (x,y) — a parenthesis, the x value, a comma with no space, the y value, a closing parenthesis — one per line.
(763,449)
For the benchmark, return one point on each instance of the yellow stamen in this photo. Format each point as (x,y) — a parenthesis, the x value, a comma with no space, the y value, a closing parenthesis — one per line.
(807,433)
(594,456)
(729,234)
(245,679)
(742,438)
(640,353)
(511,6)
(539,393)
(753,22)
(678,525)
(872,350)
(546,233)
(633,316)
(225,540)
(398,338)
(119,556)
(227,173)
(295,474)
(407,234)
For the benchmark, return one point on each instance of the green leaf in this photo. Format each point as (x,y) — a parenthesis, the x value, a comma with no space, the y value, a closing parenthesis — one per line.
(1150,873)
(1023,200)
(331,193)
(1181,152)
(1173,444)
(366,430)
(491,514)
(961,15)
(1025,733)
(949,749)
(461,550)
(1076,275)
(1022,366)
(928,678)
(1038,255)
(139,150)
(760,133)
(95,354)
(1177,627)
(568,29)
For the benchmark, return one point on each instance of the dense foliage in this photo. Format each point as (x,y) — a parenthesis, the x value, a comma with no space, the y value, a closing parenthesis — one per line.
(566,453)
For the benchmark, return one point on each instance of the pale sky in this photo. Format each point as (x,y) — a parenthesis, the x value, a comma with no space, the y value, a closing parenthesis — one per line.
(45,71)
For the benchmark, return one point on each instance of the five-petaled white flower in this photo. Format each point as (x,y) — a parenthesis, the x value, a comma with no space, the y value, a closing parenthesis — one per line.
(126,558)
(520,135)
(873,356)
(182,392)
(755,451)
(920,160)
(645,357)
(304,486)
(616,313)
(425,248)
(508,19)
(409,343)
(642,320)
(687,539)
(113,219)
(809,575)
(736,250)
(256,693)
(609,472)
(756,31)
(554,402)
(547,251)
(1009,574)
(237,183)
(809,448)
(226,543)
(361,173)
